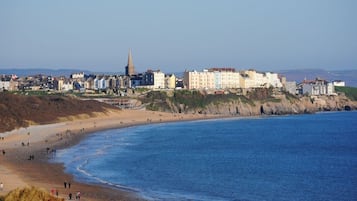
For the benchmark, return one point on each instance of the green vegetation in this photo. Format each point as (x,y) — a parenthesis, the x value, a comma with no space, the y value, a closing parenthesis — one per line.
(350,92)
(153,107)
(246,100)
(35,93)
(156,101)
(292,98)
(272,99)
(192,99)
(196,100)
(141,90)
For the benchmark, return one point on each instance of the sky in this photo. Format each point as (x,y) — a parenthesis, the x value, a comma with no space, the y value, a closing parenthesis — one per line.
(174,36)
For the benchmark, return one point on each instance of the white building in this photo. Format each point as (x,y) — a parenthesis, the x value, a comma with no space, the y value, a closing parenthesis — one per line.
(254,79)
(317,87)
(170,81)
(226,78)
(199,80)
(77,75)
(159,80)
(4,85)
(214,78)
(273,80)
(67,85)
(339,83)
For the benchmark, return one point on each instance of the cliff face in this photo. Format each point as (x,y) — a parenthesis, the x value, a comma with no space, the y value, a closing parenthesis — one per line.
(259,102)
(281,106)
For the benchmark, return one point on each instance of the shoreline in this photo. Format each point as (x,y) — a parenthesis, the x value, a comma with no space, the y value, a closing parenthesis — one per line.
(16,170)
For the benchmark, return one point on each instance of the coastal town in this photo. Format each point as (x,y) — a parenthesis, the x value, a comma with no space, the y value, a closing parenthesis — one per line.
(178,100)
(213,80)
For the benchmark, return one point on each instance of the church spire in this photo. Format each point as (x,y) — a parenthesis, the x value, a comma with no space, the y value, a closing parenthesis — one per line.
(129,69)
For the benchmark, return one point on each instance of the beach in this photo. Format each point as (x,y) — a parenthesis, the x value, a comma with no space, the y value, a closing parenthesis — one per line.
(25,161)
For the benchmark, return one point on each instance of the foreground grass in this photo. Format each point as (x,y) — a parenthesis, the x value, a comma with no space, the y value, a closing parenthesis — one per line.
(29,194)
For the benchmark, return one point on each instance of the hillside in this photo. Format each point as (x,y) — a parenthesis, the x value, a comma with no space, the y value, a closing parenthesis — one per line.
(350,92)
(21,110)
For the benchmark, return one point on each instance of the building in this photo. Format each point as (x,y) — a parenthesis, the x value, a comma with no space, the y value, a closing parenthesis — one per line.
(254,79)
(228,78)
(67,85)
(339,83)
(170,81)
(225,78)
(129,69)
(58,83)
(199,80)
(153,79)
(291,87)
(4,85)
(77,75)
(317,87)
(273,80)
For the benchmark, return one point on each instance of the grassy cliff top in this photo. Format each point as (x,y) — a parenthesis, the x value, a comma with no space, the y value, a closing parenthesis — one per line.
(350,92)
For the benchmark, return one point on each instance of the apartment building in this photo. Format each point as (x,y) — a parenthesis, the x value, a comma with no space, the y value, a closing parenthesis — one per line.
(170,81)
(317,87)
(199,80)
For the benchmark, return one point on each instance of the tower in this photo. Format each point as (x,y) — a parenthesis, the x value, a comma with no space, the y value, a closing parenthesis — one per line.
(129,69)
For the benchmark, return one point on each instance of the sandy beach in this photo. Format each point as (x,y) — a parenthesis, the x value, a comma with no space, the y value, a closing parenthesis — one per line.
(27,151)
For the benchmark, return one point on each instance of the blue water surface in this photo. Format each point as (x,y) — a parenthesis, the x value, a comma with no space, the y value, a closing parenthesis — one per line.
(300,157)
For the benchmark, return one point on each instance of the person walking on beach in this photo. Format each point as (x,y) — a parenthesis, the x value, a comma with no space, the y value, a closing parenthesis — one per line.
(1,186)
(70,196)
(65,184)
(78,196)
(69,184)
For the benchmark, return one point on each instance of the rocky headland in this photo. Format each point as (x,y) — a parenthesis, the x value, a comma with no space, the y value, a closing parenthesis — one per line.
(251,103)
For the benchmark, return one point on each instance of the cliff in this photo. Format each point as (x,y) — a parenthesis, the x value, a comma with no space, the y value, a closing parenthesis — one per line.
(254,102)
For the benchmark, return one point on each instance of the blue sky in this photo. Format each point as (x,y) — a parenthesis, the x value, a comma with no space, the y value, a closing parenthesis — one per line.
(177,35)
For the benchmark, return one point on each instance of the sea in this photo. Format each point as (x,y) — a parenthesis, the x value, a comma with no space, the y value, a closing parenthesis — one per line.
(294,157)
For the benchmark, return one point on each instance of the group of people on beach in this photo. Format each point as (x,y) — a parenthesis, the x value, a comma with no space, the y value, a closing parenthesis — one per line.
(70,195)
(31,157)
(78,196)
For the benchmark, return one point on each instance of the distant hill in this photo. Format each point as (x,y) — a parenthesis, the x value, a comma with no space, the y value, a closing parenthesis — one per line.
(22,72)
(349,76)
(43,71)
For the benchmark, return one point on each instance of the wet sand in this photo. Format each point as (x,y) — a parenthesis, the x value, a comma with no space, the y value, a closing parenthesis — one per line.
(16,170)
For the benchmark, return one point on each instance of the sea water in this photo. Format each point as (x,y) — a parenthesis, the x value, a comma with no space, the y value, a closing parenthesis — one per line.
(299,157)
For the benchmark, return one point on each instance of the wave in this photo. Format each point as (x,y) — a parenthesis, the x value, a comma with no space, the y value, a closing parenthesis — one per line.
(95,179)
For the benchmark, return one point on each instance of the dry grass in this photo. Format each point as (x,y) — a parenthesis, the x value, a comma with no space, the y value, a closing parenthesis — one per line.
(29,194)
(21,111)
